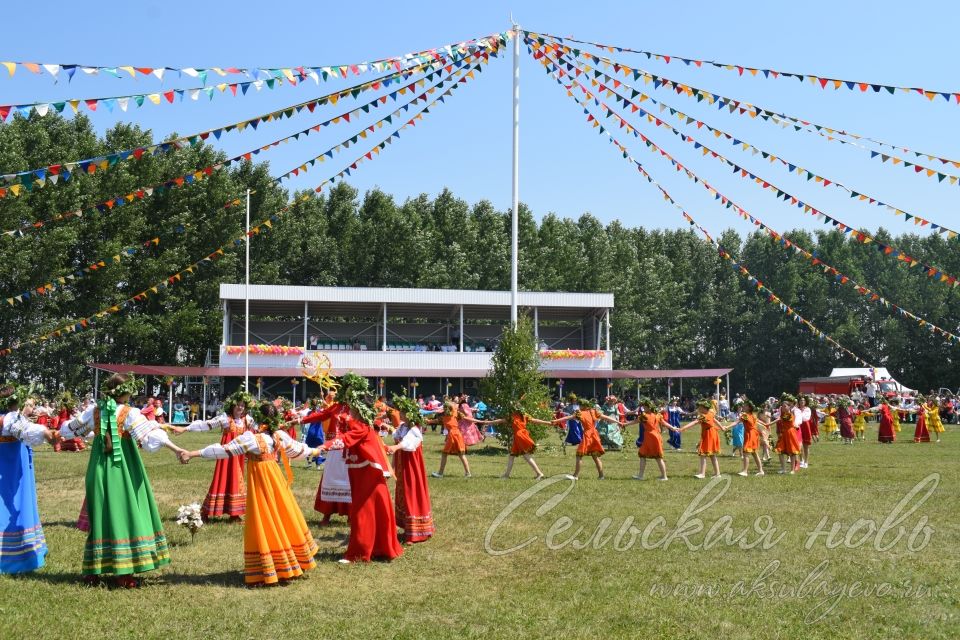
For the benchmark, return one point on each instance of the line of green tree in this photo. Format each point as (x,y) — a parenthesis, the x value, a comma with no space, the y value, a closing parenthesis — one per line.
(677,303)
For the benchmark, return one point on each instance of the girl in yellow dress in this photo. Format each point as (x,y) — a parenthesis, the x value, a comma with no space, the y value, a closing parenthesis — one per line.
(277,544)
(860,425)
(830,422)
(934,423)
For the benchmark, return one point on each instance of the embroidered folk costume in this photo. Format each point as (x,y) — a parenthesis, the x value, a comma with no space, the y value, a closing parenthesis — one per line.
(277,544)
(227,493)
(125,530)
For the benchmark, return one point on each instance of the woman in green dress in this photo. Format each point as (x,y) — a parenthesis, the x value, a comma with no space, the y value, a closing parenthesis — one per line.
(126,533)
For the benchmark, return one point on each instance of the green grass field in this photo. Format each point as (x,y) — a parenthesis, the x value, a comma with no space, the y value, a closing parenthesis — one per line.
(703,585)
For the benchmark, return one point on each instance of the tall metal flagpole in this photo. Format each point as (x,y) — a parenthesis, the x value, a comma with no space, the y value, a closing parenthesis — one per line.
(246,308)
(515,225)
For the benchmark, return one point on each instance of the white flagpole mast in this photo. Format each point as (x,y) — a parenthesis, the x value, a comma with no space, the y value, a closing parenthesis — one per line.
(515,225)
(246,310)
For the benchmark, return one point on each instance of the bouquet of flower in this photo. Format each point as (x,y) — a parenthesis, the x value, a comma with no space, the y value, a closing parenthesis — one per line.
(188,516)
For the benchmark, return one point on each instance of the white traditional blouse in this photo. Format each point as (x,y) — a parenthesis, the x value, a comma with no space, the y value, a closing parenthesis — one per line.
(16,425)
(409,438)
(247,443)
(221,422)
(148,433)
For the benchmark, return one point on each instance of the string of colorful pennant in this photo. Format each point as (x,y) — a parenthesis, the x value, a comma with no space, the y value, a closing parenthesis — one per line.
(572,66)
(256,73)
(860,236)
(138,100)
(839,277)
(742,108)
(769,295)
(61,282)
(823,82)
(200,173)
(38,177)
(87,322)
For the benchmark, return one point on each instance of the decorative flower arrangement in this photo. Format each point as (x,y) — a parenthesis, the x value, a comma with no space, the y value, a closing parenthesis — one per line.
(188,515)
(265,350)
(571,354)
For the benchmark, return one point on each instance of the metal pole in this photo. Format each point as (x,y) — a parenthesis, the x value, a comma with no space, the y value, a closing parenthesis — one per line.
(461,337)
(515,224)
(729,399)
(306,323)
(384,326)
(203,416)
(96,384)
(246,307)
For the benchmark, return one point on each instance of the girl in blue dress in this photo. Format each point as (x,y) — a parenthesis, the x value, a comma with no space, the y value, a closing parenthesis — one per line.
(574,426)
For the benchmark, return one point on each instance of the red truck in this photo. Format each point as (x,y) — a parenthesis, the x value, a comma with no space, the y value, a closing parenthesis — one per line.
(840,385)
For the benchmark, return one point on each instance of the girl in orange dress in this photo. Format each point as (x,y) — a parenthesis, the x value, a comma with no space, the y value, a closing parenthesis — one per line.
(591,446)
(788,438)
(523,444)
(752,428)
(652,444)
(454,444)
(709,446)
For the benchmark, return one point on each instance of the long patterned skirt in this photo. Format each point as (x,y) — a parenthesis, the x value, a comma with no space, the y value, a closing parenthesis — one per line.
(412,498)
(126,533)
(23,546)
(277,544)
(227,495)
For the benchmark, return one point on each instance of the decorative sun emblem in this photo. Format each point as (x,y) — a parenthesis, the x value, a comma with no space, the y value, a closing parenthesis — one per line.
(317,367)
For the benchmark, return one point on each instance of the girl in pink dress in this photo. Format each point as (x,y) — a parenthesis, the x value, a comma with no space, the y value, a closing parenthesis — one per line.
(471,434)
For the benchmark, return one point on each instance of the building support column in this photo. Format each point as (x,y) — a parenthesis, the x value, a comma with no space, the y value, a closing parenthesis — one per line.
(384,326)
(461,328)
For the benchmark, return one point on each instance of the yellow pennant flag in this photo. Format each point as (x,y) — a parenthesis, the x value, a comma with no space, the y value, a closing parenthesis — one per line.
(11,67)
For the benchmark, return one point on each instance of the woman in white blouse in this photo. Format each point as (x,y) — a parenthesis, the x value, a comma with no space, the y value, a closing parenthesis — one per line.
(412,496)
(277,545)
(23,546)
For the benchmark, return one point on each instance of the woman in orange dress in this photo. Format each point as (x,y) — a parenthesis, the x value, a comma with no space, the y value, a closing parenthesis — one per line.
(652,444)
(454,444)
(523,444)
(709,446)
(590,445)
(788,439)
(751,437)
(277,544)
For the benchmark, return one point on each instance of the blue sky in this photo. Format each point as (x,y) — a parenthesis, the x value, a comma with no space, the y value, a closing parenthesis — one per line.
(566,168)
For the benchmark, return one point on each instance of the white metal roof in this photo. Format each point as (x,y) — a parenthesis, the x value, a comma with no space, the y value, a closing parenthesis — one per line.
(360,300)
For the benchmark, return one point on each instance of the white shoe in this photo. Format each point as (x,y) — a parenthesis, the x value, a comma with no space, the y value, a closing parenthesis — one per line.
(663,479)
(782,472)
(436,475)
(343,561)
(571,477)
(743,474)
(699,476)
(468,475)
(638,477)
(759,473)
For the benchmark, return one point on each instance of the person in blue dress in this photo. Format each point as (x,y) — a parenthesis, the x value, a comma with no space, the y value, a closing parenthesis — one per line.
(574,426)
(675,418)
(23,546)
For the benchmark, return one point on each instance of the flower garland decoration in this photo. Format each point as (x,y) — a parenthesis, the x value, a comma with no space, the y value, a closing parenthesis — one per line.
(265,350)
(571,354)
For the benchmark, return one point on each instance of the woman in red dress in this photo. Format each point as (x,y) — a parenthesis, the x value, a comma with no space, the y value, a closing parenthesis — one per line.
(373,525)
(921,433)
(886,433)
(412,495)
(331,416)
(227,495)
(651,446)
